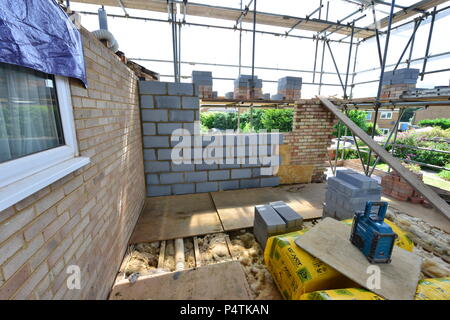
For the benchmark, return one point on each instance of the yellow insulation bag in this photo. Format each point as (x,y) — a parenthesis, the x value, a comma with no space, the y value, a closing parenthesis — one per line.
(402,241)
(433,289)
(296,272)
(342,294)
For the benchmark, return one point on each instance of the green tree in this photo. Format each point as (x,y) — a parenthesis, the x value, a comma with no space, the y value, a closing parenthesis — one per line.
(358,117)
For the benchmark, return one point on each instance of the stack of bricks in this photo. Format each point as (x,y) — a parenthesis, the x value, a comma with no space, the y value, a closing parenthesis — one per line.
(311,136)
(396,187)
(395,83)
(290,88)
(273,219)
(166,107)
(348,193)
(203,81)
(229,95)
(243,87)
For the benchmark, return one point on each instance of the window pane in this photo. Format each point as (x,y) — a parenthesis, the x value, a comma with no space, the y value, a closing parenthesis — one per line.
(29,113)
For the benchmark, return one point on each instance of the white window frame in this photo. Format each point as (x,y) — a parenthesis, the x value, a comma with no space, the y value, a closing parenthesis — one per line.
(384,115)
(26,175)
(385,129)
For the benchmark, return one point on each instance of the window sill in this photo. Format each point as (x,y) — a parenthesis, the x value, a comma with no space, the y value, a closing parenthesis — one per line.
(14,192)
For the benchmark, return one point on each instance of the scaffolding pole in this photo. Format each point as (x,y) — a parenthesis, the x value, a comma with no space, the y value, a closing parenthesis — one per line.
(405,173)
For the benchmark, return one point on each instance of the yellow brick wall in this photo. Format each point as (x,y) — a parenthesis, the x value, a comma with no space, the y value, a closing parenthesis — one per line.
(86,218)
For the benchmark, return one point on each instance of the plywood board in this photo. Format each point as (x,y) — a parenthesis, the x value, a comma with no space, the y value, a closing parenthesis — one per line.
(236,207)
(181,216)
(221,281)
(329,242)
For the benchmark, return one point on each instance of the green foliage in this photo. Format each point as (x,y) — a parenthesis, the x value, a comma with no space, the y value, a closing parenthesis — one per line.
(408,114)
(279,119)
(420,139)
(444,174)
(358,117)
(255,119)
(370,128)
(443,123)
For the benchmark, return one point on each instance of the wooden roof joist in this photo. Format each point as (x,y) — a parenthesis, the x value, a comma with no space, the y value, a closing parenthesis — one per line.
(233,14)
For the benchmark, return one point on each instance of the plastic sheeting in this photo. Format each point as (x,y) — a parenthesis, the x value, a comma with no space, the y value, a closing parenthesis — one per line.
(38,34)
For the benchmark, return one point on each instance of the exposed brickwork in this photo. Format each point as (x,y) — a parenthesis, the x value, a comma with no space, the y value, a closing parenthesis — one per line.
(311,136)
(396,187)
(85,218)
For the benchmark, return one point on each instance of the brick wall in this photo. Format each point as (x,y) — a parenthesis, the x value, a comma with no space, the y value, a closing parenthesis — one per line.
(310,137)
(432,112)
(167,107)
(86,218)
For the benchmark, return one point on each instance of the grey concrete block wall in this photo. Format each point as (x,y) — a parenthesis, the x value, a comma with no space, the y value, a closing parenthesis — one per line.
(166,107)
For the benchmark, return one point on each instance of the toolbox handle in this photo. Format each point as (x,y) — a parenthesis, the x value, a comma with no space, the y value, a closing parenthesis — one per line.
(382,208)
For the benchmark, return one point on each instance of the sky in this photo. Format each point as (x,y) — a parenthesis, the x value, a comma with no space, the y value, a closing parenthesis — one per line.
(153,40)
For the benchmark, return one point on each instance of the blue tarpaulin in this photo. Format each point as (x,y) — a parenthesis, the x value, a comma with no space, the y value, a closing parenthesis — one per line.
(38,34)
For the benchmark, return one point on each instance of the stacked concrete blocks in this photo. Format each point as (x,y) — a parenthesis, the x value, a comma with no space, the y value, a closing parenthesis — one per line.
(204,82)
(166,107)
(243,87)
(348,192)
(395,83)
(229,95)
(290,88)
(273,219)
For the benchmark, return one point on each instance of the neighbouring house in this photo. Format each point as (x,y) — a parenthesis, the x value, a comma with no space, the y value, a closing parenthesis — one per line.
(386,119)
(432,112)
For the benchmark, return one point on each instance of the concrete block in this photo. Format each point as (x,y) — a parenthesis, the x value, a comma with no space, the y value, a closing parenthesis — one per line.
(156,166)
(229,166)
(171,178)
(357,179)
(229,185)
(183,167)
(206,187)
(148,129)
(149,154)
(156,190)
(156,142)
(270,219)
(147,102)
(219,175)
(204,166)
(256,172)
(167,102)
(152,87)
(190,103)
(168,128)
(181,89)
(291,217)
(164,154)
(200,176)
(270,182)
(152,179)
(182,116)
(184,188)
(241,173)
(154,115)
(249,183)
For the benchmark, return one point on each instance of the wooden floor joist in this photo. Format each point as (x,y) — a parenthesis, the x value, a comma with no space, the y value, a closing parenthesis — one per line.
(162,253)
(407,175)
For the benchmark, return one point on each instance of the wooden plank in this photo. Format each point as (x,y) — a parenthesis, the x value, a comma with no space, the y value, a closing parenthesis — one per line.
(171,217)
(198,257)
(407,175)
(329,242)
(236,207)
(221,281)
(162,254)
